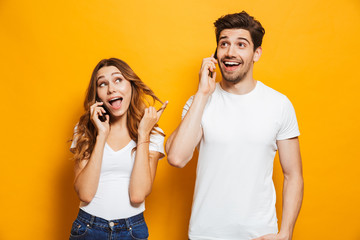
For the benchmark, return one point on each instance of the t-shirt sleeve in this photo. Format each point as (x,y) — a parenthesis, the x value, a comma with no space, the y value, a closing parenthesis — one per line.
(288,123)
(157,142)
(187,106)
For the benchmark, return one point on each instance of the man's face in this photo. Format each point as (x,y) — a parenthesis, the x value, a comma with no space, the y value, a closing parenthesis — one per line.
(236,54)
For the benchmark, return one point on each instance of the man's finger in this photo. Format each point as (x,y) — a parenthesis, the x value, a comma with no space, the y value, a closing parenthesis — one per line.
(213,75)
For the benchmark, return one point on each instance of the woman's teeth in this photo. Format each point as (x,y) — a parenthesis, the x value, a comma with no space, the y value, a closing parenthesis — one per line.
(115,101)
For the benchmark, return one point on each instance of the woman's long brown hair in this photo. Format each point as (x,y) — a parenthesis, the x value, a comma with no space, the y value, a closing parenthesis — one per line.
(85,133)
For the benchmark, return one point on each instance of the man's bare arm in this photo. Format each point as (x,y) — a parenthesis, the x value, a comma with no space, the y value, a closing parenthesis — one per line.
(293,189)
(181,144)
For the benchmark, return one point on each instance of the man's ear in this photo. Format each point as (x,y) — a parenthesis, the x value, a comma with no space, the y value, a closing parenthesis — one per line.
(257,54)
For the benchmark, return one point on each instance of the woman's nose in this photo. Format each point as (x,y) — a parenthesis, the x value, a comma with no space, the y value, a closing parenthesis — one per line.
(111,88)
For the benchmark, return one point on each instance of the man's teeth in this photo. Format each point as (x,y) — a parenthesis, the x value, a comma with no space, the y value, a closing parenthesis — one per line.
(232,63)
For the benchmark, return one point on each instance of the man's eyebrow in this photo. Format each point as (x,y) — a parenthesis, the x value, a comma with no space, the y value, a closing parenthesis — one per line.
(239,38)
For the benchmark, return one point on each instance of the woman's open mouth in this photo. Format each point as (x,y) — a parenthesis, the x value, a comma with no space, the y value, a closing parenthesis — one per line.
(115,102)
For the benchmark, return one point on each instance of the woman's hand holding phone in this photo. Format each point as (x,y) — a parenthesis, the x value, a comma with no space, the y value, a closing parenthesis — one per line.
(96,111)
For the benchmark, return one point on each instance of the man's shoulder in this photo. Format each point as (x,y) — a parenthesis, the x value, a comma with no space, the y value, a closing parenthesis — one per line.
(271,93)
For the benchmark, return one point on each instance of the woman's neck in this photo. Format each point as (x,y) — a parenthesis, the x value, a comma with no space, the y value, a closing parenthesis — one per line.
(119,122)
(119,135)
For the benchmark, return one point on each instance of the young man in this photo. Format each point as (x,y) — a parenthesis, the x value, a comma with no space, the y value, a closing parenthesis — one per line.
(238,125)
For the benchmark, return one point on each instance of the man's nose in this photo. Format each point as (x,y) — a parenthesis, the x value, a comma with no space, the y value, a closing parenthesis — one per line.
(231,51)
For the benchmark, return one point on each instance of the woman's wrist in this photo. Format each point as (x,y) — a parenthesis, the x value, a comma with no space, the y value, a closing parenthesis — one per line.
(142,143)
(142,136)
(143,139)
(101,137)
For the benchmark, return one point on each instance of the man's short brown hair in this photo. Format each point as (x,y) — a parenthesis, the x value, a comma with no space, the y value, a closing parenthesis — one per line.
(241,21)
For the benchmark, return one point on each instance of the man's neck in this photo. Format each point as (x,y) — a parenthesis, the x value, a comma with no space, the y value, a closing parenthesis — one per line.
(245,86)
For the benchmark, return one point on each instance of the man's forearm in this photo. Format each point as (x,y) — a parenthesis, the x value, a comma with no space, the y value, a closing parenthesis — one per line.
(293,191)
(181,144)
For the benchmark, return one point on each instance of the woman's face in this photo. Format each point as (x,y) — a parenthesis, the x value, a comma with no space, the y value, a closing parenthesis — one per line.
(113,90)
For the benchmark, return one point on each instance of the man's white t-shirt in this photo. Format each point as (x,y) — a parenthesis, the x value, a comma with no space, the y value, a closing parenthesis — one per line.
(112,200)
(234,194)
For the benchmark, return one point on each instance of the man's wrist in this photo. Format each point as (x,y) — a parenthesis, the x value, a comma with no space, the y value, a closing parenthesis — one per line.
(286,235)
(201,97)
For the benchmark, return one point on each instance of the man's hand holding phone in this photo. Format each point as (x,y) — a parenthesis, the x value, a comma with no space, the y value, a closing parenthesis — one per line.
(96,112)
(207,76)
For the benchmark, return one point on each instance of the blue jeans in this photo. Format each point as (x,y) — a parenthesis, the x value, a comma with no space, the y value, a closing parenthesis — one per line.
(89,227)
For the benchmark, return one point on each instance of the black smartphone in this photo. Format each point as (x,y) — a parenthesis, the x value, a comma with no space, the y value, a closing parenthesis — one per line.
(215,56)
(102,118)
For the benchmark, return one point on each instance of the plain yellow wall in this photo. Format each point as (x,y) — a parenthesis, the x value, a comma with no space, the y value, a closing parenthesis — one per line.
(49,48)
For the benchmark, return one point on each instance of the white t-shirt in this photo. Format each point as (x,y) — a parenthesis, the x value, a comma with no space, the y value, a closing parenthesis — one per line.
(112,200)
(234,194)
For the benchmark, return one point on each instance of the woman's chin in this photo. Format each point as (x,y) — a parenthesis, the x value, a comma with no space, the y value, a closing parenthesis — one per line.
(117,115)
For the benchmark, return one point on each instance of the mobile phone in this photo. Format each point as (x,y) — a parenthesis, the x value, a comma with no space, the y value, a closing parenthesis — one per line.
(103,117)
(215,56)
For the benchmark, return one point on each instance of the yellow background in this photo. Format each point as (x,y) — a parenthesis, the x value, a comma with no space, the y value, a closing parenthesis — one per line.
(49,48)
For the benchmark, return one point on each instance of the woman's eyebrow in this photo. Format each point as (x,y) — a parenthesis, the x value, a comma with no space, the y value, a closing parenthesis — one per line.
(102,76)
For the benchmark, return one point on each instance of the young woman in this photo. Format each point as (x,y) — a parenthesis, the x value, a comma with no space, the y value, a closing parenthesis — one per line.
(116,147)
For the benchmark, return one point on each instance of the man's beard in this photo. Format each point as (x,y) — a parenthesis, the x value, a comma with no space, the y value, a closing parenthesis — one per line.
(235,77)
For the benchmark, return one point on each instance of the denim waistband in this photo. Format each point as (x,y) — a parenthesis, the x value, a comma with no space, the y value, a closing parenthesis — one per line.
(124,223)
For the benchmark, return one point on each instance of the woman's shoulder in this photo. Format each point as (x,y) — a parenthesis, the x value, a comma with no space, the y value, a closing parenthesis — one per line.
(157,139)
(158,129)
(157,135)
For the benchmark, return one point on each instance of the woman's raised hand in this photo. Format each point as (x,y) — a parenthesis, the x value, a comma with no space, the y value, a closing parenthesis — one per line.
(150,118)
(96,110)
